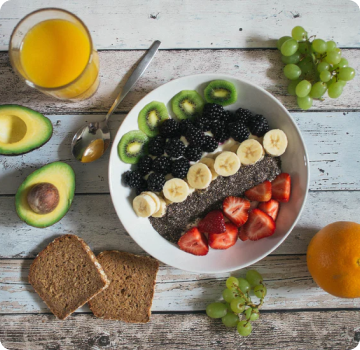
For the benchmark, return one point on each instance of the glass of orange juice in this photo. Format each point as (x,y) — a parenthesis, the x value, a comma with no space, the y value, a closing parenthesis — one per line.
(52,50)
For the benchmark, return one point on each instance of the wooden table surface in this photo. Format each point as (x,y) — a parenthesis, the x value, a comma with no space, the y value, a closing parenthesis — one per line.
(199,36)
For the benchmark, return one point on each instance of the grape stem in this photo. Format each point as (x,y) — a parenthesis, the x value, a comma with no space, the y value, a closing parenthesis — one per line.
(247,298)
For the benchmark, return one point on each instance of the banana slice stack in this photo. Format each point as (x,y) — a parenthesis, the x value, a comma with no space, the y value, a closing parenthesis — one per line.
(275,142)
(149,204)
(250,152)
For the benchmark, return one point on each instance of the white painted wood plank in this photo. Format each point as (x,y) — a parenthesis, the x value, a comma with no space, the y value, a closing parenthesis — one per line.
(93,218)
(288,281)
(261,67)
(198,24)
(332,140)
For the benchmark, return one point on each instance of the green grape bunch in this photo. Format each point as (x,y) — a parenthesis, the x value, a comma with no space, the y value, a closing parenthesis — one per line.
(238,310)
(313,66)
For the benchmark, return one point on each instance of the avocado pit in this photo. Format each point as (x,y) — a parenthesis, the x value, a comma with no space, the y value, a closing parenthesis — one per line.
(43,198)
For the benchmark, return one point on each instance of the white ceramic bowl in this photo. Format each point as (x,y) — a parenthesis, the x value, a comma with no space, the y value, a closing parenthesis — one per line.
(242,254)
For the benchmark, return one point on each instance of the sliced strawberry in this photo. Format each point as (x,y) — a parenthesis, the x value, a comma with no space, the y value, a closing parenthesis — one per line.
(194,242)
(236,209)
(259,225)
(260,193)
(281,187)
(212,223)
(224,240)
(271,208)
(242,235)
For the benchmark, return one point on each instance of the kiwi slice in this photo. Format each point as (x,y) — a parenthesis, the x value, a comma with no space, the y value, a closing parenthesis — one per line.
(132,146)
(187,104)
(151,116)
(221,92)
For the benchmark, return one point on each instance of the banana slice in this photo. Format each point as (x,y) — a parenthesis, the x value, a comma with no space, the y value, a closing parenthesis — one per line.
(250,152)
(275,142)
(144,205)
(176,190)
(199,176)
(227,163)
(257,138)
(209,162)
(162,211)
(155,198)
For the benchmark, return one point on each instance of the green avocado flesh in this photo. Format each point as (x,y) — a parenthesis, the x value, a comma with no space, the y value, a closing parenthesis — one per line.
(62,177)
(22,129)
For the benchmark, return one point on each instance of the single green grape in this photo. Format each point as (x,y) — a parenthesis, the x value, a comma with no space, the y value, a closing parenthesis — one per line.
(253,277)
(318,89)
(323,66)
(337,50)
(248,312)
(244,328)
(281,41)
(292,71)
(333,57)
(238,305)
(303,88)
(306,65)
(260,291)
(335,90)
(343,63)
(331,81)
(304,47)
(229,295)
(330,45)
(255,314)
(325,76)
(298,33)
(295,58)
(319,45)
(289,47)
(346,73)
(305,102)
(232,283)
(342,82)
(244,285)
(216,310)
(230,320)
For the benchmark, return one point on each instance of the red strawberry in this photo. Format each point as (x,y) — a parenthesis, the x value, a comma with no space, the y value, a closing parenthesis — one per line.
(271,208)
(281,187)
(236,210)
(242,235)
(260,193)
(194,242)
(258,226)
(224,240)
(213,222)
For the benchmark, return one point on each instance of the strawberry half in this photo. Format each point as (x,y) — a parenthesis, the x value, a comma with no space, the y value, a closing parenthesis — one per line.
(281,187)
(212,223)
(259,225)
(271,208)
(236,210)
(224,240)
(194,242)
(242,235)
(260,193)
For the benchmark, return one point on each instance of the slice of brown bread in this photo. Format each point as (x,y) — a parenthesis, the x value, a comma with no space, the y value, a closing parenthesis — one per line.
(131,291)
(66,275)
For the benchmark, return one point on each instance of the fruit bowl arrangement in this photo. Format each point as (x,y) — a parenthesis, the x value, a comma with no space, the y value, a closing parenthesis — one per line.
(293,162)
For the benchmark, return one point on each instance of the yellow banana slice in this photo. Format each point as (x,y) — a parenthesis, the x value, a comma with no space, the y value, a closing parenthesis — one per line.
(176,190)
(250,151)
(227,163)
(199,176)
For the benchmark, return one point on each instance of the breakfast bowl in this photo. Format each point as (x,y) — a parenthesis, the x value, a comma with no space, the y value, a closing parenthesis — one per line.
(244,253)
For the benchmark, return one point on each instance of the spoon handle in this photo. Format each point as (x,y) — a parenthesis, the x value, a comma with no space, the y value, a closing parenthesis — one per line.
(135,75)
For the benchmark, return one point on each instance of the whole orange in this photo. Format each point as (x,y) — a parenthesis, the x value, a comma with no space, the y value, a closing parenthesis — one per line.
(333,259)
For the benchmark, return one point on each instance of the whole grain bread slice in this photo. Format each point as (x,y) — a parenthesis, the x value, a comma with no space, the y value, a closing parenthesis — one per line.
(66,275)
(131,291)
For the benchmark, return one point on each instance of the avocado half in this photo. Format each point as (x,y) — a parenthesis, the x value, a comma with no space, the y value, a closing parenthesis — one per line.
(62,176)
(22,129)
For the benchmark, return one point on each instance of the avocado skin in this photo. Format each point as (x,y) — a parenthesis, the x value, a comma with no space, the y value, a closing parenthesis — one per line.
(37,145)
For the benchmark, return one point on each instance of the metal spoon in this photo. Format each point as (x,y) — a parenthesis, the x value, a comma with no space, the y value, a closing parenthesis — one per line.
(92,140)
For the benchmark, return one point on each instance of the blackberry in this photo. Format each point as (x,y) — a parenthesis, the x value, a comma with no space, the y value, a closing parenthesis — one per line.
(162,165)
(221,135)
(238,131)
(155,182)
(184,125)
(156,146)
(209,144)
(258,125)
(180,168)
(212,111)
(169,128)
(193,153)
(228,117)
(217,125)
(132,178)
(194,136)
(202,123)
(142,187)
(144,166)
(174,148)
(243,115)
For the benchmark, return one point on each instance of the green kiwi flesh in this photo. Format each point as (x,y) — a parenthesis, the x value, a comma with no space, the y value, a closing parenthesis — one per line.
(151,116)
(132,146)
(221,92)
(187,104)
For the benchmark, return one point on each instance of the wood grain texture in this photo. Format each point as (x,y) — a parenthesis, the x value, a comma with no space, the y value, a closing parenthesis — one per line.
(261,67)
(307,331)
(198,24)
(332,141)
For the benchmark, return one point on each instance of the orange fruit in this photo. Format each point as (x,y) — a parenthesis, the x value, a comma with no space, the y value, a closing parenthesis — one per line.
(333,259)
